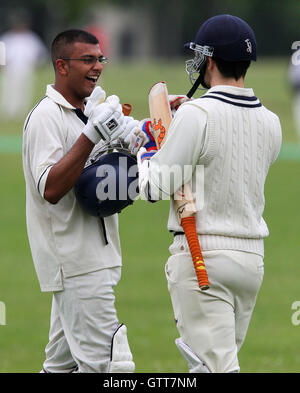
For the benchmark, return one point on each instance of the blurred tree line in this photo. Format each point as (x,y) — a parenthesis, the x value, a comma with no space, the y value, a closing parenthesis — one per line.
(275,22)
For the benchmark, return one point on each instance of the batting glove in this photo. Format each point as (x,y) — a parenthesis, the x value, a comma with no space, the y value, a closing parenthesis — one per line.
(144,154)
(130,126)
(142,135)
(106,121)
(175,101)
(97,97)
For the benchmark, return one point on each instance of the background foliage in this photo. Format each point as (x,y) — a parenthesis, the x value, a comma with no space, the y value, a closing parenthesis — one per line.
(175,22)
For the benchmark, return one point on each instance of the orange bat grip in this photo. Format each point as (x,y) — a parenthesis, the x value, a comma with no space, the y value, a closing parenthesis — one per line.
(189,226)
(126,109)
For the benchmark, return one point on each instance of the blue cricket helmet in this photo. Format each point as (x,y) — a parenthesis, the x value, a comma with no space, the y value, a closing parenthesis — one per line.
(109,185)
(227,37)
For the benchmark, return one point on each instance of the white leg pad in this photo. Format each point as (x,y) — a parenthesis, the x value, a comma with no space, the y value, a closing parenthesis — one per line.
(195,365)
(121,357)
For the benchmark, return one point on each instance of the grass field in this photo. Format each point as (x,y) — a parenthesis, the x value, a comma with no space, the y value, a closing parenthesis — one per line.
(142,298)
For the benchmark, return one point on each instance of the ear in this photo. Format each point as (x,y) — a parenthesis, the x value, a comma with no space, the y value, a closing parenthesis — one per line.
(210,63)
(62,67)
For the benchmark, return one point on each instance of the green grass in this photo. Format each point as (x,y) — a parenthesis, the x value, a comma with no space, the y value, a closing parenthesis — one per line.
(271,343)
(143,301)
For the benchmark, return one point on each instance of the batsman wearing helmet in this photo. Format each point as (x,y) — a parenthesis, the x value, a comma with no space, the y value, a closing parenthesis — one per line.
(77,255)
(230,135)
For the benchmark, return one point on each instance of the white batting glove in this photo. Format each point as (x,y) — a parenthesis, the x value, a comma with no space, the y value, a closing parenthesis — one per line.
(130,126)
(106,121)
(97,97)
(143,167)
(137,140)
(146,192)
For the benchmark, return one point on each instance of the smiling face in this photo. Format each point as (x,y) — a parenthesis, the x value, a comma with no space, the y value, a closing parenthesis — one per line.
(76,79)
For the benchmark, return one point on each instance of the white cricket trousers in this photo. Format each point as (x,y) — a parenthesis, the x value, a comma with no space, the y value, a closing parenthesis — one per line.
(214,323)
(83,320)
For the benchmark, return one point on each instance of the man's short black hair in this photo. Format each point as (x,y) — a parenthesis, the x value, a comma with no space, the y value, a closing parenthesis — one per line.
(232,69)
(61,43)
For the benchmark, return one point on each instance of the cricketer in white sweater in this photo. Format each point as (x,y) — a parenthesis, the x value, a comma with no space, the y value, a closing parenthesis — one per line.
(230,134)
(229,140)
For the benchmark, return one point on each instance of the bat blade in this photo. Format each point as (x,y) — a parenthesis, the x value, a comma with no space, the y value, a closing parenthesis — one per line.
(160,112)
(161,117)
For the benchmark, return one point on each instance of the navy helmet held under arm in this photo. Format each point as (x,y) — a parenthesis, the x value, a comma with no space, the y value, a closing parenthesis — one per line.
(108,185)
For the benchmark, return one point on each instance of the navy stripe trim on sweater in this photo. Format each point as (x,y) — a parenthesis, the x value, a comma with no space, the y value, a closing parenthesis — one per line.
(233,102)
(235,96)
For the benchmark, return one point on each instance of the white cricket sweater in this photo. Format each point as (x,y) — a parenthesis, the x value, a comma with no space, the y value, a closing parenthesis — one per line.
(235,139)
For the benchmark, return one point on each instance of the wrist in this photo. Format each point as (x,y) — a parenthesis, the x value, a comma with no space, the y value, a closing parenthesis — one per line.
(147,155)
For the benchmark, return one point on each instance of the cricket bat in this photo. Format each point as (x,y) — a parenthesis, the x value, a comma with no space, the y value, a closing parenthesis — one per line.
(161,117)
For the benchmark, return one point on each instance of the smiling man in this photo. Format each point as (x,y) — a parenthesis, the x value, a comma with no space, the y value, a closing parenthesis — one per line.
(77,256)
(78,66)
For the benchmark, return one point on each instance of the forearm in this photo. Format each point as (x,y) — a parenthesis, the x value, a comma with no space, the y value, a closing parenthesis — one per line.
(64,174)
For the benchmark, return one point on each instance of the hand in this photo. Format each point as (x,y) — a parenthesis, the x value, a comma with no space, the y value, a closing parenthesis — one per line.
(130,126)
(97,97)
(176,100)
(144,154)
(142,135)
(106,121)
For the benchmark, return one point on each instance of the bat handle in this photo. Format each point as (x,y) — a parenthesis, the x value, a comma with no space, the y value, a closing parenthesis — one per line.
(189,227)
(126,109)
